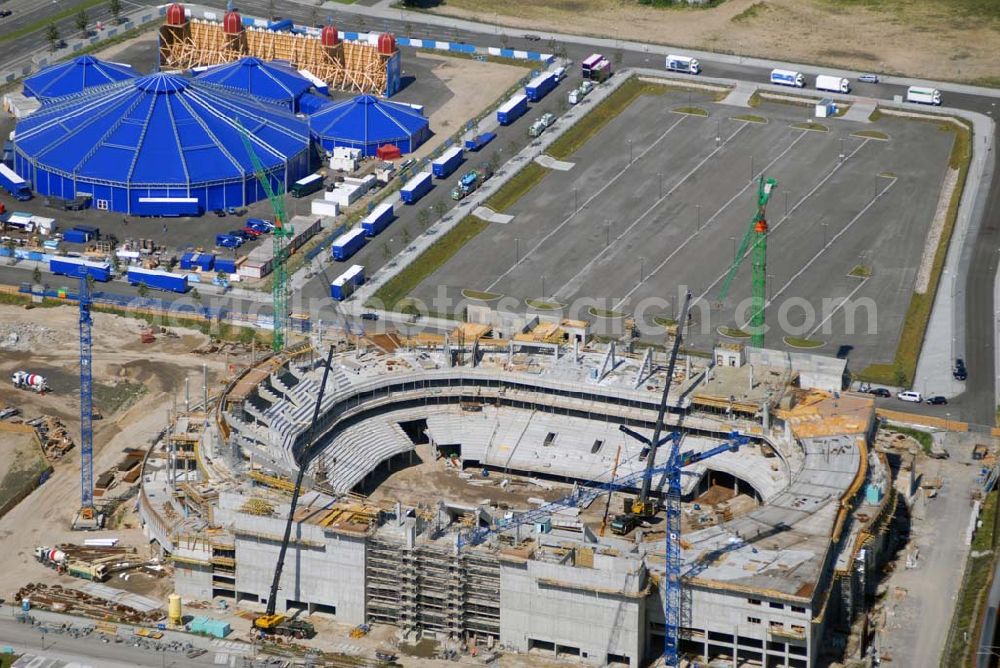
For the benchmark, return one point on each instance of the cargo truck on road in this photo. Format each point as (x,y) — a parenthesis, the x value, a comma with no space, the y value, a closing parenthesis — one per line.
(14,184)
(378,219)
(157,279)
(540,86)
(471,181)
(788,78)
(447,163)
(512,109)
(920,95)
(833,84)
(348,244)
(479,141)
(683,64)
(416,188)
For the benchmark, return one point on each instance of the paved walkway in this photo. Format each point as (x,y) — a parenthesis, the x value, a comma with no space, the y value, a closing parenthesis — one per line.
(861,110)
(740,95)
(491,216)
(549,162)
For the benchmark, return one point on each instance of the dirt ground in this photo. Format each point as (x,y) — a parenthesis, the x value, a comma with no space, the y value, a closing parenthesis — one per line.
(917,38)
(48,344)
(474,87)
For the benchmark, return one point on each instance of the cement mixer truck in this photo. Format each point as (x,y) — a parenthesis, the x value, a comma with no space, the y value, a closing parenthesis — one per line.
(25,380)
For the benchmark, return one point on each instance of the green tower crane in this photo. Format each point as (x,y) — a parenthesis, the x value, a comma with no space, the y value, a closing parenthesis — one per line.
(757,235)
(282,233)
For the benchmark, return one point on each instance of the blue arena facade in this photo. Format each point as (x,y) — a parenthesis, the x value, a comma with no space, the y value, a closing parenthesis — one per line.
(366,122)
(159,136)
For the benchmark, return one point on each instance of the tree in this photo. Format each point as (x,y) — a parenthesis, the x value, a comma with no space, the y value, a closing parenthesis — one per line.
(440,207)
(424,218)
(407,238)
(115,7)
(386,250)
(52,35)
(81,21)
(36,276)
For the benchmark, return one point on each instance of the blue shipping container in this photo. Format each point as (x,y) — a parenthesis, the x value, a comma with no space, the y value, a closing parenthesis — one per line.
(75,267)
(512,109)
(158,280)
(203,261)
(479,141)
(94,232)
(348,244)
(540,86)
(75,237)
(378,219)
(447,163)
(416,187)
(225,265)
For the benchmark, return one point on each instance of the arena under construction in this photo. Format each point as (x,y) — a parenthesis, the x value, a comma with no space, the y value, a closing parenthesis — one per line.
(426,453)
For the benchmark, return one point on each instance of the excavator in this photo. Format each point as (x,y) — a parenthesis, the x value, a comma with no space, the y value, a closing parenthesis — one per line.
(273,623)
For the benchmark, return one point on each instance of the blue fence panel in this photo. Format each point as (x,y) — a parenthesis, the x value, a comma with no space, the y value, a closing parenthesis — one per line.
(507,53)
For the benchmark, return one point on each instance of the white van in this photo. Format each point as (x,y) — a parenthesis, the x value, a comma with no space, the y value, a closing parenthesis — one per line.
(910,395)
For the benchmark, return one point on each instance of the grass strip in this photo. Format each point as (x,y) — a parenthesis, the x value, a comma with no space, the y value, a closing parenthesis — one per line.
(691,111)
(921,437)
(861,271)
(750,118)
(963,637)
(798,342)
(578,135)
(480,295)
(604,313)
(543,305)
(871,134)
(399,286)
(516,187)
(812,127)
(733,333)
(911,339)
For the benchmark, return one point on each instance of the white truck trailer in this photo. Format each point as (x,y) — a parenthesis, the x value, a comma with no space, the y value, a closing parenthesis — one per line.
(788,78)
(833,84)
(684,64)
(921,95)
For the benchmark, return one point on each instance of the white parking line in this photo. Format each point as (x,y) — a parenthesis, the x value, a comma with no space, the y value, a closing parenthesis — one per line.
(585,203)
(706,224)
(560,293)
(841,304)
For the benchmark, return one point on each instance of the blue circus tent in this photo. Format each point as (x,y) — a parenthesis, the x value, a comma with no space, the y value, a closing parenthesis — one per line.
(159,136)
(276,82)
(74,76)
(366,122)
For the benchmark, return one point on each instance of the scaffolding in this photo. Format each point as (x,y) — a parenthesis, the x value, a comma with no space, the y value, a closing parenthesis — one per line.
(347,66)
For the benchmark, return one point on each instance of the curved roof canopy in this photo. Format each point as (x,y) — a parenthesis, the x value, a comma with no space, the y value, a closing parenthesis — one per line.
(368,120)
(273,81)
(160,129)
(75,76)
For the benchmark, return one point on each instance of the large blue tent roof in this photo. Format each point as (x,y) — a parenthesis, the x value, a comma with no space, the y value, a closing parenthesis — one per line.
(368,120)
(273,81)
(159,129)
(74,76)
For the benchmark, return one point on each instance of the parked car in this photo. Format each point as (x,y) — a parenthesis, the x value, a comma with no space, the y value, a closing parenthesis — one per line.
(221,213)
(880,392)
(910,395)
(937,400)
(960,373)
(867,77)
(266,225)
(4,13)
(233,211)
(531,38)
(228,241)
(239,233)
(252,231)
(369,315)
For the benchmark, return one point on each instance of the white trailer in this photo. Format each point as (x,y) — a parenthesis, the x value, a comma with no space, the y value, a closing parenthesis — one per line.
(833,84)
(788,78)
(684,64)
(922,95)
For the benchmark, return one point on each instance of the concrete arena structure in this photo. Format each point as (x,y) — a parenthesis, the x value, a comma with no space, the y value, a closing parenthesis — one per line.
(771,586)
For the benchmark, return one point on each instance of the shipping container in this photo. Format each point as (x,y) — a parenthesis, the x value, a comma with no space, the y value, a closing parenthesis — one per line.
(449,161)
(75,267)
(602,72)
(157,279)
(344,285)
(540,86)
(225,265)
(348,244)
(167,206)
(589,63)
(202,261)
(324,207)
(94,232)
(76,237)
(512,109)
(307,185)
(12,182)
(479,141)
(416,187)
(379,219)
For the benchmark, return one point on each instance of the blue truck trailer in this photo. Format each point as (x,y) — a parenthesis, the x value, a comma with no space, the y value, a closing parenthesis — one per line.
(448,162)
(12,182)
(157,279)
(75,267)
(540,86)
(348,244)
(378,219)
(512,109)
(416,187)
(167,206)
(344,285)
(479,141)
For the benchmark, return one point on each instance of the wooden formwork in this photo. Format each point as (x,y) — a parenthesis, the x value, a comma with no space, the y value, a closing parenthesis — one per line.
(350,66)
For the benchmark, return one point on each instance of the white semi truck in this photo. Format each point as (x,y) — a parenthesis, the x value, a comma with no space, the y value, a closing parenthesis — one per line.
(833,84)
(788,78)
(921,95)
(684,64)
